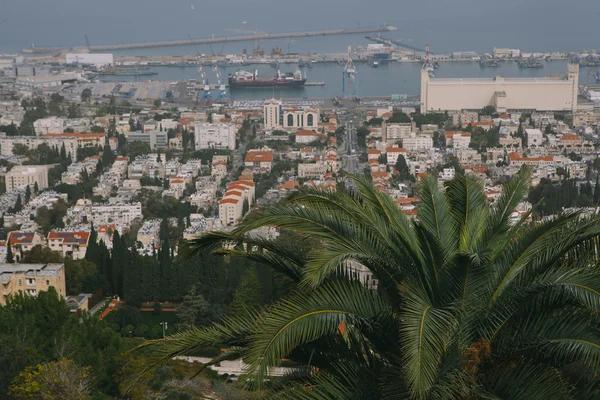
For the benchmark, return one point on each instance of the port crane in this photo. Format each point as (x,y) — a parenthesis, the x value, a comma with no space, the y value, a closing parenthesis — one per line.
(204,79)
(350,78)
(596,76)
(222,89)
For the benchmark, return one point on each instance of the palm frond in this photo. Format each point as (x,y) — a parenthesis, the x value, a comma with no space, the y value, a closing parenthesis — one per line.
(302,318)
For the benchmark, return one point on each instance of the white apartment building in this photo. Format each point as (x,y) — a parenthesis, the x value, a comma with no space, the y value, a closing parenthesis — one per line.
(420,142)
(232,205)
(22,176)
(149,232)
(535,137)
(49,125)
(69,243)
(32,142)
(312,170)
(105,214)
(458,140)
(393,153)
(392,132)
(215,136)
(306,136)
(272,114)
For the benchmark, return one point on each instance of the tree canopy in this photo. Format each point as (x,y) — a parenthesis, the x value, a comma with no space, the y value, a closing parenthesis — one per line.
(461,302)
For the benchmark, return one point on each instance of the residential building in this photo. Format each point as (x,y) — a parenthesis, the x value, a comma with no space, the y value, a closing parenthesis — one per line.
(259,159)
(392,132)
(231,207)
(149,232)
(49,125)
(420,142)
(215,136)
(72,244)
(156,139)
(124,213)
(306,136)
(32,142)
(83,139)
(21,242)
(393,153)
(312,170)
(458,140)
(31,279)
(373,154)
(21,176)
(510,141)
(272,114)
(515,159)
(535,137)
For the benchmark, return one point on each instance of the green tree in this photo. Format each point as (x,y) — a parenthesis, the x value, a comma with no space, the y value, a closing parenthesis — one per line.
(468,305)
(248,294)
(76,273)
(27,194)
(61,379)
(18,204)
(157,103)
(193,308)
(403,170)
(41,255)
(9,254)
(36,188)
(86,95)
(19,149)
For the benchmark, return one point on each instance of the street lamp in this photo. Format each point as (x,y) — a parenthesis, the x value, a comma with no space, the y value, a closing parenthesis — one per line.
(164,326)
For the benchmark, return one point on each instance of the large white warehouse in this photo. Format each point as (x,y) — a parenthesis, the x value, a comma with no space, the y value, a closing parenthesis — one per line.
(98,60)
(542,94)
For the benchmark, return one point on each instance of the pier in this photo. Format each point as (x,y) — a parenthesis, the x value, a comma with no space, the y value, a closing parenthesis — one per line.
(225,39)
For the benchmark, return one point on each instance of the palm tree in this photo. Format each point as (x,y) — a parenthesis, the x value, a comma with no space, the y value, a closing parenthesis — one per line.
(467,305)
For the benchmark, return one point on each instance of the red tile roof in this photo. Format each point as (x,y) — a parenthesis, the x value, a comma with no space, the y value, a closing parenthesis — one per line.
(17,237)
(80,238)
(259,156)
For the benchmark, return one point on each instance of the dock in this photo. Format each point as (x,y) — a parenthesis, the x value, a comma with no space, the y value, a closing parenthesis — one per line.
(224,39)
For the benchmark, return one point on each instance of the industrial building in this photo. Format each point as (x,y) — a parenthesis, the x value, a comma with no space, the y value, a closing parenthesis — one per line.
(541,94)
(97,60)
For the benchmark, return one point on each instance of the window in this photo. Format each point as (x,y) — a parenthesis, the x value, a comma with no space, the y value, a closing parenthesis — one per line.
(310,120)
(47,283)
(290,120)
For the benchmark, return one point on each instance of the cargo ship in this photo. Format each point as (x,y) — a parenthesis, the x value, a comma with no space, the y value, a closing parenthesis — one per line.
(249,80)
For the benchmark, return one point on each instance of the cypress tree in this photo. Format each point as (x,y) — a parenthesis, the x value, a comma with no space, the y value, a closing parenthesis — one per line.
(36,188)
(63,153)
(9,254)
(117,262)
(27,194)
(597,191)
(18,205)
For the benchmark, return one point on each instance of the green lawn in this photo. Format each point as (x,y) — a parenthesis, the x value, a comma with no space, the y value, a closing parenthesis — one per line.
(150,320)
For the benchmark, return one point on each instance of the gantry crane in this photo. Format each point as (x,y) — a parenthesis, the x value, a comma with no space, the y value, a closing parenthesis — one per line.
(205,85)
(350,78)
(222,89)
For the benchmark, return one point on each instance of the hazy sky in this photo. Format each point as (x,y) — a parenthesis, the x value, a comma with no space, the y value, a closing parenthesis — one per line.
(447,25)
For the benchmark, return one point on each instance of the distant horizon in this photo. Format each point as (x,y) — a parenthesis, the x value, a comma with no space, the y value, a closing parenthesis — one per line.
(447,25)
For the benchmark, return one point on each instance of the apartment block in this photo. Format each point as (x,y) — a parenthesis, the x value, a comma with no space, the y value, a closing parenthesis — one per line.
(22,176)
(72,244)
(31,279)
(215,136)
